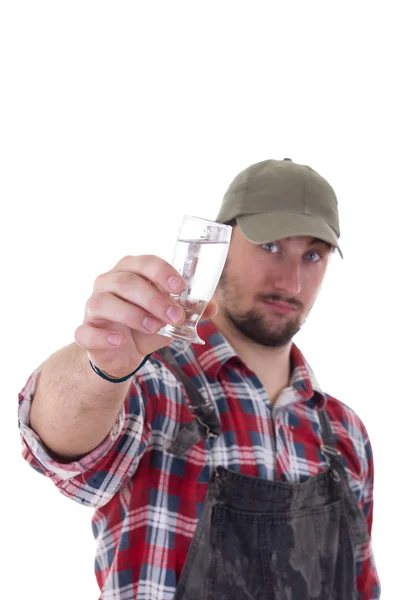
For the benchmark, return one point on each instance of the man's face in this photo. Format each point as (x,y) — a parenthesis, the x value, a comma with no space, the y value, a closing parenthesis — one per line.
(267,291)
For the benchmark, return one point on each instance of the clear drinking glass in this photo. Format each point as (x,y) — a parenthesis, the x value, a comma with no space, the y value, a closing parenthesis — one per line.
(199,256)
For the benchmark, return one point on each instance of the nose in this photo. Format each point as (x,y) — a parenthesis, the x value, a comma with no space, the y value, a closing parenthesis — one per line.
(287,278)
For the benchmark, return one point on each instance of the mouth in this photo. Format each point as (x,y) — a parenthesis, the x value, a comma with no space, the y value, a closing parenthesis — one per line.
(281,307)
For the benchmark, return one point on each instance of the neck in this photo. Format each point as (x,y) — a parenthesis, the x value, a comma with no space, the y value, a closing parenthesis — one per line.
(271,365)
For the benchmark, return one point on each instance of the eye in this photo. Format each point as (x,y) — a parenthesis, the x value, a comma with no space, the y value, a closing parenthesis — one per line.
(270,247)
(314,256)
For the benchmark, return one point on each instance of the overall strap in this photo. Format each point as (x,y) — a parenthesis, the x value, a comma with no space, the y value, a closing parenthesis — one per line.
(328,437)
(355,517)
(206,422)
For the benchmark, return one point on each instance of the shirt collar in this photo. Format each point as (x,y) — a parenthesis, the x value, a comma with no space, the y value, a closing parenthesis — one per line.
(217,351)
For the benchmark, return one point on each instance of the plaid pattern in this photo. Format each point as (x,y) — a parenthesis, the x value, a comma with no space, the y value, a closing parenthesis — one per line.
(147,502)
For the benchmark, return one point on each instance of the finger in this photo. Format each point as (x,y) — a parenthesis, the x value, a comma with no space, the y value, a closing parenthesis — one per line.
(210,310)
(138,292)
(95,338)
(107,307)
(155,269)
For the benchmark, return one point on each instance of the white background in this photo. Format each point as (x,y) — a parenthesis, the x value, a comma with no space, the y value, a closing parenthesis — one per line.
(119,117)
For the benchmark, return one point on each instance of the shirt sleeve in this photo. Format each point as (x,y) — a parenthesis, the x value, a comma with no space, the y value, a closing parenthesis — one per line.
(368,585)
(94,479)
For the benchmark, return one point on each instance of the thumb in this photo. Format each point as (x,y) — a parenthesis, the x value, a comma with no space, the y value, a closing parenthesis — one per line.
(210,310)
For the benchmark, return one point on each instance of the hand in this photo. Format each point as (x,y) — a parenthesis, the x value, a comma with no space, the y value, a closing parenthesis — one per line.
(128,306)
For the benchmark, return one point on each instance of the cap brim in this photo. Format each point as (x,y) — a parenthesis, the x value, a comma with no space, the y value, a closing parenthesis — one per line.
(262,228)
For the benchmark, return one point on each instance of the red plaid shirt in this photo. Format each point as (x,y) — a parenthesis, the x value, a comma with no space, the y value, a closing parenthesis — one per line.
(147,502)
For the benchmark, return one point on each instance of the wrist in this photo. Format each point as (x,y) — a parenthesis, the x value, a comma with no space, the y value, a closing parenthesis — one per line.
(113,379)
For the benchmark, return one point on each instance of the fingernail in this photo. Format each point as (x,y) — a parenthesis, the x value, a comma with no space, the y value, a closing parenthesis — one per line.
(174,283)
(114,339)
(151,324)
(174,313)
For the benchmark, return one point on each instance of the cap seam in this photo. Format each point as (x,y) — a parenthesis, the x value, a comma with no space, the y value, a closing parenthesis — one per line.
(305,193)
(246,187)
(283,211)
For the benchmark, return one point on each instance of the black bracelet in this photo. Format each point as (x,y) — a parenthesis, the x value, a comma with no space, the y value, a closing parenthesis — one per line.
(121,379)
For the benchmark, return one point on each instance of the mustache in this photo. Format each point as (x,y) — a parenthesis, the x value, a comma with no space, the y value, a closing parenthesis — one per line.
(279,298)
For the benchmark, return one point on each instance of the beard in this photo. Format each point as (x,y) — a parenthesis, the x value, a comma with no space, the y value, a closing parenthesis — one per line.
(256,328)
(254,324)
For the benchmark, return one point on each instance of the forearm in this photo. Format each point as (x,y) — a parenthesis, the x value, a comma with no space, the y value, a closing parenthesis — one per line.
(74,409)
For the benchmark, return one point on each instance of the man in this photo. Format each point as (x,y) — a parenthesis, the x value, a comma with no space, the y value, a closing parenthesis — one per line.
(216,471)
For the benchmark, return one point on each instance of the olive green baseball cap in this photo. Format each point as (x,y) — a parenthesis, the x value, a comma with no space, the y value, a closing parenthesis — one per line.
(275,199)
